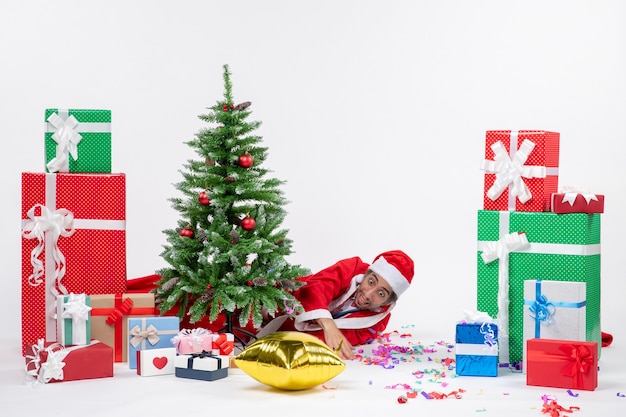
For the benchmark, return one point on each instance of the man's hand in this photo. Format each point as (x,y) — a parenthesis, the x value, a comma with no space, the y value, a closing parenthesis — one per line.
(335,339)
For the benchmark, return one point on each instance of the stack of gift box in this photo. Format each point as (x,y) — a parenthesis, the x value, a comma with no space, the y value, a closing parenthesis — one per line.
(75,305)
(538,262)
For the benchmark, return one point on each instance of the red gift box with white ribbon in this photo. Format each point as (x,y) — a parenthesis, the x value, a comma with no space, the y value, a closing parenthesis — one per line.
(575,200)
(52,362)
(521,170)
(73,240)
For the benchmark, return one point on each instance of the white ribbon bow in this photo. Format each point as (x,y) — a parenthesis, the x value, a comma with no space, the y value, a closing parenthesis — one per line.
(76,308)
(477,317)
(500,250)
(511,171)
(571,193)
(151,334)
(67,139)
(52,368)
(55,223)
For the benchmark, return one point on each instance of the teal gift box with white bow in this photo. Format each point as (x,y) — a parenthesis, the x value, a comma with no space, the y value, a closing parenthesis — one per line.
(73,319)
(78,140)
(150,333)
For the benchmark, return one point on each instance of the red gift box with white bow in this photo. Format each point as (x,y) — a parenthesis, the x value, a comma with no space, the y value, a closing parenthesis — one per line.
(562,364)
(521,169)
(52,362)
(73,241)
(577,201)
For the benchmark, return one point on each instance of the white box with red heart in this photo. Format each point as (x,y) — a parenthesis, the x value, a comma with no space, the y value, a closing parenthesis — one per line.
(154,362)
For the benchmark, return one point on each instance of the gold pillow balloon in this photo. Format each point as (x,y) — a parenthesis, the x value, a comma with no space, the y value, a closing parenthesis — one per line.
(290,361)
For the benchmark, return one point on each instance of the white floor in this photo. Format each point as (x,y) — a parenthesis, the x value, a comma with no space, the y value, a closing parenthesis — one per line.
(361,389)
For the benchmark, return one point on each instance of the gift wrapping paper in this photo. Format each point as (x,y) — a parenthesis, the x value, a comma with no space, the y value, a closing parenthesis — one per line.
(52,362)
(73,240)
(78,140)
(73,319)
(521,169)
(193,341)
(562,364)
(155,362)
(554,310)
(150,333)
(559,248)
(109,318)
(476,349)
(565,203)
(204,366)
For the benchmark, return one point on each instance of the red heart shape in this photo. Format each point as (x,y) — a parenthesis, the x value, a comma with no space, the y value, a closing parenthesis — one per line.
(159,363)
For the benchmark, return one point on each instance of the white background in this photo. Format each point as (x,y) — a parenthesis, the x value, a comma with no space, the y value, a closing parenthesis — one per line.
(374,113)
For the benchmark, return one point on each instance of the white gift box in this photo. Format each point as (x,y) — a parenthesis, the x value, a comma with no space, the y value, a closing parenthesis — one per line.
(554,310)
(153,362)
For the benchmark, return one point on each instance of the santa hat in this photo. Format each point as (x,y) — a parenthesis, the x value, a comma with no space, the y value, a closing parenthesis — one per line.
(396,267)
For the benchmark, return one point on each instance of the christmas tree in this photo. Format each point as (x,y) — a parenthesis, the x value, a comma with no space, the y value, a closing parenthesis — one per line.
(227,254)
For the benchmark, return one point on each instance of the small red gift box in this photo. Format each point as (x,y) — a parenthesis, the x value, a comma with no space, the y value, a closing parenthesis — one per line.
(521,170)
(51,362)
(577,202)
(224,343)
(562,364)
(73,241)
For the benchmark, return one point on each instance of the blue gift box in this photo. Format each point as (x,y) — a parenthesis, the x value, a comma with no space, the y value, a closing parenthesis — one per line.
(477,349)
(150,333)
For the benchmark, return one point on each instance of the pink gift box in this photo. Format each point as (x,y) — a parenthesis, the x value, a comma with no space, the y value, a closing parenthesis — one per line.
(521,170)
(193,341)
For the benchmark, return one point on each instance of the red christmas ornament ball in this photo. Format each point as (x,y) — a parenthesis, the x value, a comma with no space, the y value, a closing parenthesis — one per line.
(248,223)
(187,232)
(203,198)
(402,399)
(225,107)
(250,283)
(246,160)
(208,286)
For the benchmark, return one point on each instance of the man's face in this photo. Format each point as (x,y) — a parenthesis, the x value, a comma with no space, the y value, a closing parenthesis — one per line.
(373,292)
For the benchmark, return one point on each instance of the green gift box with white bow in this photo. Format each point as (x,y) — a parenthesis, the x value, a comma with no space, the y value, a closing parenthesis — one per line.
(78,140)
(514,247)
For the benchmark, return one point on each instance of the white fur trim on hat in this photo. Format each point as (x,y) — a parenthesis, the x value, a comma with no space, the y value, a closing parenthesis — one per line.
(391,274)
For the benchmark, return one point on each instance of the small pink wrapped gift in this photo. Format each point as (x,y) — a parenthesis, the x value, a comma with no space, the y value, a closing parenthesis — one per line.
(189,341)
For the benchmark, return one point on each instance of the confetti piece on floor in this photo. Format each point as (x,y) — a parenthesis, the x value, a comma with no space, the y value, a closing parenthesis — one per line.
(402,399)
(425,395)
(546,398)
(572,393)
(555,410)
(619,394)
(481,410)
(329,386)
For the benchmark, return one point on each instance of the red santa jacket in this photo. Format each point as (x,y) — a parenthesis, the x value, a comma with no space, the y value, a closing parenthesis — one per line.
(329,289)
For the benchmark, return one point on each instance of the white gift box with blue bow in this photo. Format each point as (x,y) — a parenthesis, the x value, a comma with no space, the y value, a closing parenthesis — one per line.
(554,310)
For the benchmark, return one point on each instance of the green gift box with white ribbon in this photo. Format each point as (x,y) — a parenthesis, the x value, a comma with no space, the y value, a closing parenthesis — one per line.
(514,247)
(78,140)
